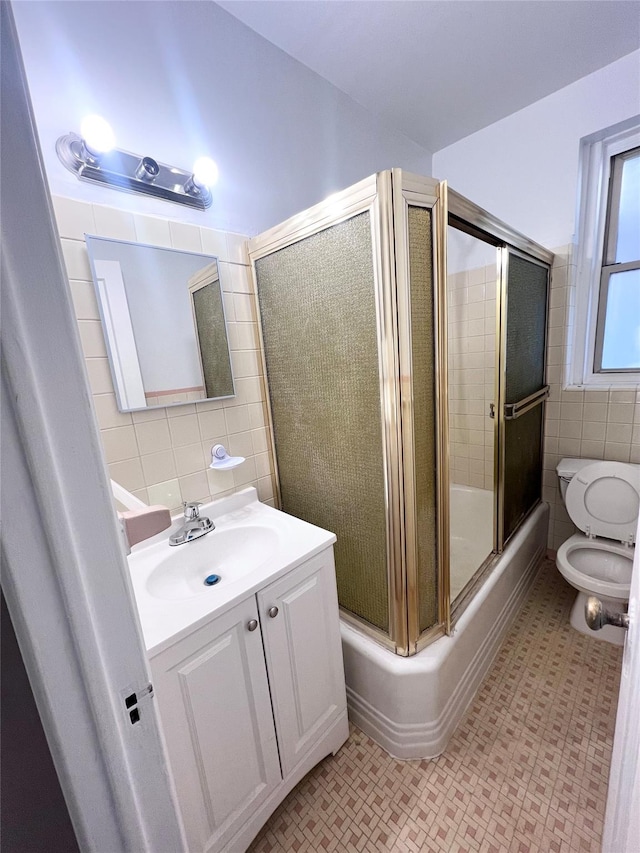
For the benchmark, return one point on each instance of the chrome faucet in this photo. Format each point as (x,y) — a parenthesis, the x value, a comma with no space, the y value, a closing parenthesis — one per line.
(194,525)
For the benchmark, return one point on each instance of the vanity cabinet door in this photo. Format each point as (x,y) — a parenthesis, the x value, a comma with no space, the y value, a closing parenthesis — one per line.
(214,702)
(301,633)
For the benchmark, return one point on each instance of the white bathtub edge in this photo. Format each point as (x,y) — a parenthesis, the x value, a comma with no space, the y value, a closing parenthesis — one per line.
(411,706)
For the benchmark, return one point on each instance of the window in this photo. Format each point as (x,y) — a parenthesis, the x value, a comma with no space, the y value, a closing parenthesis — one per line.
(606,317)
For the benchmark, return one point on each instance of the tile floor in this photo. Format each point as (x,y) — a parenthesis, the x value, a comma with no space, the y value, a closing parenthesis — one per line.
(526,770)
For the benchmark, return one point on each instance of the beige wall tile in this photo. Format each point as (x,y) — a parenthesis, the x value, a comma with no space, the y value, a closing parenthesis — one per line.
(212,424)
(245,363)
(220,481)
(112,223)
(214,243)
(152,414)
(167,494)
(194,487)
(595,411)
(260,438)
(184,430)
(92,339)
(129,474)
(592,431)
(620,413)
(152,230)
(622,396)
(107,412)
(620,433)
(237,249)
(153,436)
(99,375)
(119,443)
(185,237)
(237,419)
(245,474)
(570,429)
(265,488)
(74,218)
(84,300)
(76,260)
(263,465)
(240,444)
(189,459)
(617,452)
(158,467)
(243,308)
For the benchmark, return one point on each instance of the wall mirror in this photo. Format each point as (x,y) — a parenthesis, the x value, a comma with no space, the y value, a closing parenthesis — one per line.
(163,319)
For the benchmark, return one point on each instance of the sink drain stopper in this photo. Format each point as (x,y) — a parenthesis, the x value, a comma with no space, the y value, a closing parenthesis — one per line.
(210,580)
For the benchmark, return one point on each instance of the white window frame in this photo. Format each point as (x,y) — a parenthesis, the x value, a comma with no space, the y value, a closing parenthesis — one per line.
(596,152)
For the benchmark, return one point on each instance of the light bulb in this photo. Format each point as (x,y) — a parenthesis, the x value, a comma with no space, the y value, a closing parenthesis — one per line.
(205,171)
(97,134)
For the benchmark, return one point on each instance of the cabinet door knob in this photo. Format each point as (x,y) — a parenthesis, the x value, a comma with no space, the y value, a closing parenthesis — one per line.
(273,612)
(252,624)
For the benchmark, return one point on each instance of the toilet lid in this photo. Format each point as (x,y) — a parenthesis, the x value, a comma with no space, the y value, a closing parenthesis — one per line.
(603,499)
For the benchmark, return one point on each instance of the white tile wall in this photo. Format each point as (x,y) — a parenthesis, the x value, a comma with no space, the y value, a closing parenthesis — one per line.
(471,322)
(162,455)
(603,424)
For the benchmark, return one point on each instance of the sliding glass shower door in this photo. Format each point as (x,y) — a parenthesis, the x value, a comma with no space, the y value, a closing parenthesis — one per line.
(524,312)
(472,290)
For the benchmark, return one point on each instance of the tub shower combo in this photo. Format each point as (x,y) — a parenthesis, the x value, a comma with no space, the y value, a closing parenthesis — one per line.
(404,333)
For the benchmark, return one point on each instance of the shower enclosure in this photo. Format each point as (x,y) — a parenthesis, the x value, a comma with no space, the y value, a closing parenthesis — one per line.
(399,388)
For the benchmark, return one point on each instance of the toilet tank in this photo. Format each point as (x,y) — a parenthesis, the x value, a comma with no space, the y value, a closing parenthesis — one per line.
(566,468)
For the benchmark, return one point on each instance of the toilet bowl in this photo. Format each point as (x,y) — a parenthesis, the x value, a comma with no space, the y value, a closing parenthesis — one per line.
(603,500)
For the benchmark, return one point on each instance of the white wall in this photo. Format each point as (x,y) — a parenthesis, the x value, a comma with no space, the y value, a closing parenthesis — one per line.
(180,79)
(524,168)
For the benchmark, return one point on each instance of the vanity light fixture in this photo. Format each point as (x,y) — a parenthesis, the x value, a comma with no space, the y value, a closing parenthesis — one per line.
(92,156)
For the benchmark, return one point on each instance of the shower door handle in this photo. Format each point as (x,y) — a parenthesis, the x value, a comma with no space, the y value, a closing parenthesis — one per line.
(512,411)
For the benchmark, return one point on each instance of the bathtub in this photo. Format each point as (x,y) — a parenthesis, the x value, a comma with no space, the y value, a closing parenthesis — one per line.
(411,706)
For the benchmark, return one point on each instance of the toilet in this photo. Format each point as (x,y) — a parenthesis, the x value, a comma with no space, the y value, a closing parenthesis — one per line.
(603,500)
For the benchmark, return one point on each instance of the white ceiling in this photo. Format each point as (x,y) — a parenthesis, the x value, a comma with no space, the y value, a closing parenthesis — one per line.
(438,70)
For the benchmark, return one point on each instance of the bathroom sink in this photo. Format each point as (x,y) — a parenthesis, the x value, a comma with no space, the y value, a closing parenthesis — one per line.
(252,544)
(229,554)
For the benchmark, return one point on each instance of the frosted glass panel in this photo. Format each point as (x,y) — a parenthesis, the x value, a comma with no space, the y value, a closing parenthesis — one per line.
(525,365)
(621,347)
(526,325)
(318,314)
(423,355)
(523,467)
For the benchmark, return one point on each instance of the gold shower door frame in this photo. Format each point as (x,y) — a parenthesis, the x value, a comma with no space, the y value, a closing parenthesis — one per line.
(523,406)
(373,196)
(387,197)
(411,190)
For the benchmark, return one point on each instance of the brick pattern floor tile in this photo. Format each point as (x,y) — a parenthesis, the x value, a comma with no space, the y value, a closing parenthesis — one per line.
(526,769)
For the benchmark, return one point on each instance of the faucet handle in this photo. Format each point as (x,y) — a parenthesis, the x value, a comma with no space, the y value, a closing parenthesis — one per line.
(191,509)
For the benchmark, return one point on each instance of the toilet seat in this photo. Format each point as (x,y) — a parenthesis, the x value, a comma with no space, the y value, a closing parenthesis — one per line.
(603,499)
(596,567)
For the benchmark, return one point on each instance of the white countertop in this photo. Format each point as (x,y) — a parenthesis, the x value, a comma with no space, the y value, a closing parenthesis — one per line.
(164,620)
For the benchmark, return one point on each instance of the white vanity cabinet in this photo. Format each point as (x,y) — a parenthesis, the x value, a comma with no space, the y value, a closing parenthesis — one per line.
(250,702)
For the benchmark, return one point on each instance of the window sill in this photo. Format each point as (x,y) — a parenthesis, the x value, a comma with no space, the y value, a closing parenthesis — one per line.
(626,385)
